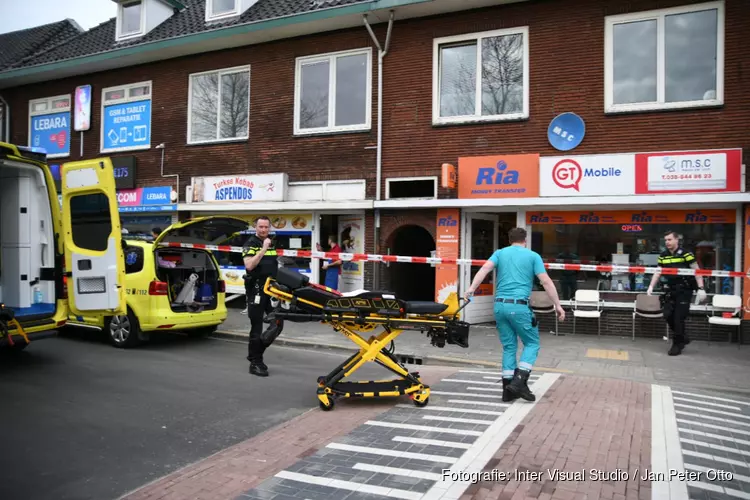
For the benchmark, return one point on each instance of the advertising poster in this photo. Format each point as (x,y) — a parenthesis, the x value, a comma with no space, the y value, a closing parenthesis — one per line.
(504,176)
(446,275)
(746,261)
(51,132)
(127,126)
(82,110)
(352,240)
(239,188)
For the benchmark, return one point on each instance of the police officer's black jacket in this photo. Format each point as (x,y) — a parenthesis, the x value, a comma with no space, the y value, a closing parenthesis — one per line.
(681,259)
(268,265)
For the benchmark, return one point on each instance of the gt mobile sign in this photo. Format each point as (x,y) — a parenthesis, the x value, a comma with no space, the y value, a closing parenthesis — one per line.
(588,175)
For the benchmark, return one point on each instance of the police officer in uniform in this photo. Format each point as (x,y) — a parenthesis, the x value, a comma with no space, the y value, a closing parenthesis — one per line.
(678,290)
(260,260)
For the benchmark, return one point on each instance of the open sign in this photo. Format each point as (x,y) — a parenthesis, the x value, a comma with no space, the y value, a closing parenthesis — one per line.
(632,228)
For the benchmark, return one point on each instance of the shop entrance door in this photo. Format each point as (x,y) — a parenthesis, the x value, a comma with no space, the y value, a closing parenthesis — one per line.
(479,241)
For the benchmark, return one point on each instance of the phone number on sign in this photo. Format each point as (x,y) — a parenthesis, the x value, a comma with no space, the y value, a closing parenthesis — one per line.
(686,176)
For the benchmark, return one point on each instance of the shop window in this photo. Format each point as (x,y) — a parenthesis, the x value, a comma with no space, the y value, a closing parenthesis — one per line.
(49,125)
(631,244)
(91,221)
(333,92)
(665,59)
(219,106)
(481,77)
(133,259)
(126,117)
(411,187)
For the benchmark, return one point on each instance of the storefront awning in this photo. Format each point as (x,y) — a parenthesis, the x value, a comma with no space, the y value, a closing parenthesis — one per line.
(290,206)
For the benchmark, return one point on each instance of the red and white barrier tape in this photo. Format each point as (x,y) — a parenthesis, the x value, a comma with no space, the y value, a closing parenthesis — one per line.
(363,257)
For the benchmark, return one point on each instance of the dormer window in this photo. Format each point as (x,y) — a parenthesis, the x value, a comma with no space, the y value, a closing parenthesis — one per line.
(221,9)
(130,20)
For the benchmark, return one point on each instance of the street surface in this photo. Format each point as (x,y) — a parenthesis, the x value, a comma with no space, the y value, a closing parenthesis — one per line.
(181,418)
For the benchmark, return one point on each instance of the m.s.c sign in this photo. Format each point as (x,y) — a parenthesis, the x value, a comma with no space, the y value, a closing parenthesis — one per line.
(503,176)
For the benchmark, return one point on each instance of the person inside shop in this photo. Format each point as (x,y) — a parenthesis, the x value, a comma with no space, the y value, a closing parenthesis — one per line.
(331,267)
(155,232)
(260,259)
(678,290)
(516,268)
(568,278)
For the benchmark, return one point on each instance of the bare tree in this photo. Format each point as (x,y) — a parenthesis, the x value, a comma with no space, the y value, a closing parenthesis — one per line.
(235,94)
(502,78)
(231,113)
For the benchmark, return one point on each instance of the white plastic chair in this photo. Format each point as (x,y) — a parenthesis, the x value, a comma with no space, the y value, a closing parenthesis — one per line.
(723,304)
(588,298)
(648,306)
(542,304)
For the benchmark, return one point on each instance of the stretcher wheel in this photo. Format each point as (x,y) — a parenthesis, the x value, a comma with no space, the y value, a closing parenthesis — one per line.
(327,405)
(421,404)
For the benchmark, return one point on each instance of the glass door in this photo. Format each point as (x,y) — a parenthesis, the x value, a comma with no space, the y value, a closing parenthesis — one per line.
(481,237)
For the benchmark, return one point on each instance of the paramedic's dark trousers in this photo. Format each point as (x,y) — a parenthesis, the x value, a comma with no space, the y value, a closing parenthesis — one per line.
(255,346)
(676,311)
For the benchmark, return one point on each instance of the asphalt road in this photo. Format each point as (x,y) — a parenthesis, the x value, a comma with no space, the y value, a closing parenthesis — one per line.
(83,420)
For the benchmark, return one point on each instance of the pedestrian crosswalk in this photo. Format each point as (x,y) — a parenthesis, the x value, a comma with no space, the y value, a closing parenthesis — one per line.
(712,436)
(408,452)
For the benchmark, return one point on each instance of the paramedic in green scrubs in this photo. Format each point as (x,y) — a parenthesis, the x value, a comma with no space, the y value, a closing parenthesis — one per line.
(516,268)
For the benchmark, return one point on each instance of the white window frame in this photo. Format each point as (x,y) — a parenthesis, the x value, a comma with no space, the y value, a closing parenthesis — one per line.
(659,16)
(330,58)
(432,178)
(477,116)
(215,17)
(219,72)
(118,25)
(49,110)
(127,98)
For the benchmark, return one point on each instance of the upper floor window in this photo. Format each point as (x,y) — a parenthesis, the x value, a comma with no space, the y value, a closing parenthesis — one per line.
(219,9)
(130,19)
(665,59)
(481,77)
(49,125)
(126,117)
(219,105)
(333,92)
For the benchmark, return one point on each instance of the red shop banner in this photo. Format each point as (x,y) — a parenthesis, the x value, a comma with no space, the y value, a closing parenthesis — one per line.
(707,171)
(746,260)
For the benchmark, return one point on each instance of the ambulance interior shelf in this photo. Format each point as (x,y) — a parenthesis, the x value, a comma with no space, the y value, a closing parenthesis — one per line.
(27,250)
(192,279)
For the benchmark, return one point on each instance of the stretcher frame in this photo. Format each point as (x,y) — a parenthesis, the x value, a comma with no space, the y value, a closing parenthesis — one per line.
(8,320)
(332,387)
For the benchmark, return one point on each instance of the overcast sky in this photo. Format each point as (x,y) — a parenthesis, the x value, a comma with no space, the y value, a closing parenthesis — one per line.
(22,14)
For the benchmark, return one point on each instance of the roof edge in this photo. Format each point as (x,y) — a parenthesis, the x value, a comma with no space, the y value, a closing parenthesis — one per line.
(227,31)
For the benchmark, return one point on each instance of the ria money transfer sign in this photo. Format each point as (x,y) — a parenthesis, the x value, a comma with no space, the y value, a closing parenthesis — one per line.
(127,126)
(587,175)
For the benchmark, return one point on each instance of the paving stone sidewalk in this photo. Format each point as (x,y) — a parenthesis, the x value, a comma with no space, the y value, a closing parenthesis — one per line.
(720,366)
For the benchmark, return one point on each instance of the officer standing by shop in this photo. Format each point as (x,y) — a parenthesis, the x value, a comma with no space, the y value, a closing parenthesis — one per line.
(678,290)
(260,260)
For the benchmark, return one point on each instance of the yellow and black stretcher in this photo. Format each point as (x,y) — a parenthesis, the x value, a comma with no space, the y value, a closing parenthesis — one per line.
(8,320)
(302,301)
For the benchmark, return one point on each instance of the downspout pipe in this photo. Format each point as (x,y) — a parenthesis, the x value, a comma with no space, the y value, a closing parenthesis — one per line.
(6,116)
(382,52)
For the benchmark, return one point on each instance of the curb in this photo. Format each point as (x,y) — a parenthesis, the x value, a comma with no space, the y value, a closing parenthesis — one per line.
(405,358)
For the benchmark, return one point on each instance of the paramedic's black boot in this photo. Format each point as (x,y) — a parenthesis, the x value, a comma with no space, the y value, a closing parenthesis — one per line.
(507,396)
(676,349)
(259,369)
(519,385)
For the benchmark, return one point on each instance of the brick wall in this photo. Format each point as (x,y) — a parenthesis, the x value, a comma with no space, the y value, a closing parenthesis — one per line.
(271,147)
(566,53)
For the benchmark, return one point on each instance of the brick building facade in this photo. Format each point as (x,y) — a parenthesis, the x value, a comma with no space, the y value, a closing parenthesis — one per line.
(563,70)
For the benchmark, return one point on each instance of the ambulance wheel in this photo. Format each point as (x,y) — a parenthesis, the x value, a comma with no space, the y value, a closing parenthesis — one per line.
(324,406)
(421,404)
(122,331)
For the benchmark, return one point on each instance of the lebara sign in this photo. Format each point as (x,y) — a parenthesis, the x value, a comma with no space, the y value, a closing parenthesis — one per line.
(149,199)
(588,175)
(505,176)
(51,132)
